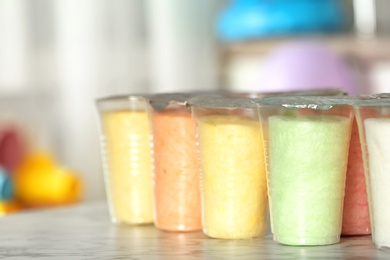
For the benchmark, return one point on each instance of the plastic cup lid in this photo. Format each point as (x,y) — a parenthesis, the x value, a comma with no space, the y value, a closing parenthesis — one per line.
(162,101)
(222,102)
(310,102)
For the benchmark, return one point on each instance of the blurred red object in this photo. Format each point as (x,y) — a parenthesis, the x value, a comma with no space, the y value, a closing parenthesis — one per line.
(12,148)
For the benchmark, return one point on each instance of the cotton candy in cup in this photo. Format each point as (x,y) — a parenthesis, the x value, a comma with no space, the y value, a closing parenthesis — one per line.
(127,159)
(233,180)
(356,217)
(377,133)
(374,126)
(307,141)
(177,204)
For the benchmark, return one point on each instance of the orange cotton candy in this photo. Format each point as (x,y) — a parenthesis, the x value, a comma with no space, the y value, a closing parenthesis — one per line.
(177,188)
(356,218)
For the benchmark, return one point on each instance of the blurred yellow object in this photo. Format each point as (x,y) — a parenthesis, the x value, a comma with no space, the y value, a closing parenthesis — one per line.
(36,161)
(7,207)
(39,181)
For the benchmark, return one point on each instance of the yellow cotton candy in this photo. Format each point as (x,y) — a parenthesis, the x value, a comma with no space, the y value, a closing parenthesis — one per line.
(128,166)
(234,189)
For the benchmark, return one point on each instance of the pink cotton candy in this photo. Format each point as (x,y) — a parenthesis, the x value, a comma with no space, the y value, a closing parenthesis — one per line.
(356,218)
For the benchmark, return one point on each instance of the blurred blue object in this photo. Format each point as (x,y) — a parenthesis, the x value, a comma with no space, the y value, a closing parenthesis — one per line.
(6,187)
(251,19)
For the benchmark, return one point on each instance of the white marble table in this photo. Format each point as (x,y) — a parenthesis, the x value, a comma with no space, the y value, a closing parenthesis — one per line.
(84,232)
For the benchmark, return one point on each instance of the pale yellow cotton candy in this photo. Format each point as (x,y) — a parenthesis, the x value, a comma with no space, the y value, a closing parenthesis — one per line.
(233,178)
(126,148)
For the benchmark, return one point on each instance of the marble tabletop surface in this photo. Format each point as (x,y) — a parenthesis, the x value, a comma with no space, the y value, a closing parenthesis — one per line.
(85,232)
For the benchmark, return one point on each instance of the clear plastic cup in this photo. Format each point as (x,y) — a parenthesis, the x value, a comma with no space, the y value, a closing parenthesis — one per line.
(177,204)
(306,141)
(127,159)
(373,117)
(233,179)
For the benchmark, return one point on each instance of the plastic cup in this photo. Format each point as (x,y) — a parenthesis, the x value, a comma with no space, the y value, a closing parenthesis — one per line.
(356,217)
(233,179)
(373,117)
(176,167)
(307,141)
(127,161)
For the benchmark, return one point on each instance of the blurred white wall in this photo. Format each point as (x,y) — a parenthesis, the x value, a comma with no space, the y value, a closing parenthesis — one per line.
(183,48)
(14,46)
(80,49)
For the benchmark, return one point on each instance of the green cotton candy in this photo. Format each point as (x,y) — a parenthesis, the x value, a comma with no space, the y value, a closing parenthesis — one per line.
(307,167)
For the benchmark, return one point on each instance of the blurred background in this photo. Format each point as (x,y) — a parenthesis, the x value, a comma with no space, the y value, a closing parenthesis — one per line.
(58,56)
